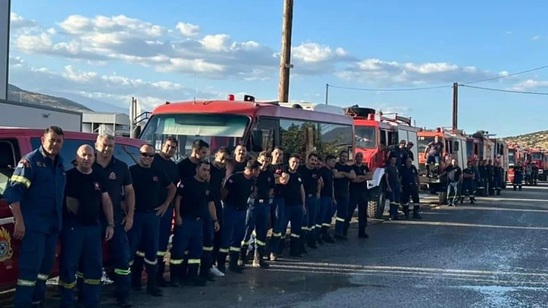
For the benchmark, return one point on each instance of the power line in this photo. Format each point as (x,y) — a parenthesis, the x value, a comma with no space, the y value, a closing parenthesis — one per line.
(502,90)
(509,75)
(388,89)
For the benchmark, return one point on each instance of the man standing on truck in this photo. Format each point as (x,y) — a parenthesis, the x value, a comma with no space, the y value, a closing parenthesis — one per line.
(118,181)
(433,153)
(163,162)
(81,238)
(35,195)
(148,183)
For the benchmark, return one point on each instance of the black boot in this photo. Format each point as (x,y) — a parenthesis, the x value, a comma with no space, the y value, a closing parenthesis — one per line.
(205,266)
(311,240)
(259,260)
(302,242)
(244,252)
(161,270)
(174,274)
(294,250)
(318,235)
(137,273)
(472,199)
(152,282)
(394,212)
(193,277)
(416,210)
(406,211)
(326,237)
(183,272)
(221,261)
(233,263)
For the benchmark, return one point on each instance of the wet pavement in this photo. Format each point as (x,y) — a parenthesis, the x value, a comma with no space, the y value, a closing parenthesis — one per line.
(491,254)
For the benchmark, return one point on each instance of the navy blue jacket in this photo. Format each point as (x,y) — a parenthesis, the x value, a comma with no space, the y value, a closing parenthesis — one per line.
(39,189)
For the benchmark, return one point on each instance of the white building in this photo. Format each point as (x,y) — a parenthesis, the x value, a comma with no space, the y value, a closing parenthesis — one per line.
(116,124)
(19,114)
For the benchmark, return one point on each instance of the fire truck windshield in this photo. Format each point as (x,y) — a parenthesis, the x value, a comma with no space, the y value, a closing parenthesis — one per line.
(511,157)
(536,156)
(366,137)
(423,143)
(216,129)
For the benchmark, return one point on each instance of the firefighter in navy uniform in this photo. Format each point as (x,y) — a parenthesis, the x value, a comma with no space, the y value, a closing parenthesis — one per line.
(358,196)
(258,213)
(35,195)
(498,177)
(294,210)
(490,177)
(277,208)
(81,237)
(410,188)
(468,178)
(393,186)
(163,162)
(235,194)
(193,202)
(344,173)
(327,199)
(518,176)
(148,183)
(312,186)
(216,179)
(238,162)
(118,180)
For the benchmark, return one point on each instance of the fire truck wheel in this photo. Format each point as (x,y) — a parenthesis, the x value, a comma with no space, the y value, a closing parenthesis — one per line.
(375,206)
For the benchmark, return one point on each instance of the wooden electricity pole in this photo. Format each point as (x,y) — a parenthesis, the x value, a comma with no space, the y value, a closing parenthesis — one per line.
(285,57)
(455,105)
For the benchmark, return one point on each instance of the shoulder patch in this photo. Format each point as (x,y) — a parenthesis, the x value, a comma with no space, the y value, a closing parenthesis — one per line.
(23,163)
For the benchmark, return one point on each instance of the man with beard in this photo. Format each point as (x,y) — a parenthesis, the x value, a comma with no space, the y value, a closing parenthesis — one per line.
(118,181)
(163,162)
(281,177)
(358,196)
(238,161)
(216,180)
(312,186)
(81,240)
(344,173)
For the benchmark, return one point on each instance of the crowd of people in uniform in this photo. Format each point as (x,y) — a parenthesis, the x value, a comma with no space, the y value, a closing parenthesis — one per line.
(215,212)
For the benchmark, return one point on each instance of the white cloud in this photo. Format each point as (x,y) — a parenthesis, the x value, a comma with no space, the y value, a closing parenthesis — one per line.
(536,37)
(187,29)
(530,84)
(114,88)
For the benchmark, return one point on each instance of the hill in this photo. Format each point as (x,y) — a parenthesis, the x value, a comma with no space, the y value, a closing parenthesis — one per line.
(536,139)
(19,95)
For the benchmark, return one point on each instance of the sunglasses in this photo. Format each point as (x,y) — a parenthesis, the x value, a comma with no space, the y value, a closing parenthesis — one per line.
(147,155)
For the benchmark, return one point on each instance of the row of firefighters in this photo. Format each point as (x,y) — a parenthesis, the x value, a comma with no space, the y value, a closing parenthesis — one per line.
(222,212)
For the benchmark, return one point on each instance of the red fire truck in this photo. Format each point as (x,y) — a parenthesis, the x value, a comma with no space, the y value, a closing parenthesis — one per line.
(537,158)
(298,128)
(16,142)
(375,133)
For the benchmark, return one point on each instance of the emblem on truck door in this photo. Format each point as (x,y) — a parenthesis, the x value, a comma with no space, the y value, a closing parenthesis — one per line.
(6,251)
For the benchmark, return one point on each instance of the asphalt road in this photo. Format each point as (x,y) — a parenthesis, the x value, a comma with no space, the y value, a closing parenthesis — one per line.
(492,254)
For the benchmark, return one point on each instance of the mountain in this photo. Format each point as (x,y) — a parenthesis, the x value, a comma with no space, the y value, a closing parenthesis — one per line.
(91,103)
(19,95)
(536,139)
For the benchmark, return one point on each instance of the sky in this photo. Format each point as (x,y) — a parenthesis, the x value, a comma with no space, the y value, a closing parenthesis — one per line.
(371,53)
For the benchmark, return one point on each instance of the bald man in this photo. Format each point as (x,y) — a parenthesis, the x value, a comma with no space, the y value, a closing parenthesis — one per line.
(149,184)
(86,198)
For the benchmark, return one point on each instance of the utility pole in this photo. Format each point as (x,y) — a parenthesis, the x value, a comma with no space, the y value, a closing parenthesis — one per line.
(285,57)
(327,94)
(455,105)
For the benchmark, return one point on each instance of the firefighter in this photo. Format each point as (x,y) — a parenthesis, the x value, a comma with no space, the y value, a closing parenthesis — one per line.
(358,196)
(410,188)
(518,176)
(164,163)
(393,186)
(35,197)
(216,179)
(534,173)
(400,152)
(193,202)
(408,149)
(277,208)
(483,183)
(295,200)
(327,199)
(235,194)
(148,183)
(490,177)
(258,212)
(312,185)
(498,177)
(454,179)
(81,238)
(118,181)
(238,161)
(468,179)
(343,175)
(433,152)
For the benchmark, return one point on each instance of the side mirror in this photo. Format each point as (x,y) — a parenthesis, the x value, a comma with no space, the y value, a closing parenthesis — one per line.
(456,146)
(136,132)
(256,141)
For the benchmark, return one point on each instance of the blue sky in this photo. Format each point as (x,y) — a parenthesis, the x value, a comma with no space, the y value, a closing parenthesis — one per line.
(109,51)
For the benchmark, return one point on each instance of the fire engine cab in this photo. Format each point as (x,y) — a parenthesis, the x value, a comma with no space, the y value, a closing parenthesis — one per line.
(375,133)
